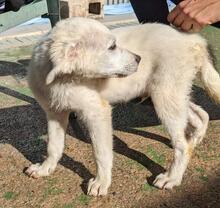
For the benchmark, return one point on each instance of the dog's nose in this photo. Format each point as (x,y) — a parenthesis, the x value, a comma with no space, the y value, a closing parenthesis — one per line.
(137,58)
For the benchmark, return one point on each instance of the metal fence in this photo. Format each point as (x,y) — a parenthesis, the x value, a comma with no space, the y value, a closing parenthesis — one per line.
(116,1)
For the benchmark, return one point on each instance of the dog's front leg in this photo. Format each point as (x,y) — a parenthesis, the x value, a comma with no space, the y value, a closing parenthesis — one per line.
(57,123)
(98,119)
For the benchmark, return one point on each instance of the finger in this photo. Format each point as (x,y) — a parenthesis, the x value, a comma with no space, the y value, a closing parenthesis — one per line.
(179,20)
(204,18)
(183,4)
(191,10)
(207,16)
(177,10)
(173,14)
(196,28)
(187,25)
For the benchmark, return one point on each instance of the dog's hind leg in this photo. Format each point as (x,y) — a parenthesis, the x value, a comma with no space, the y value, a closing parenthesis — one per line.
(172,108)
(97,116)
(57,124)
(197,124)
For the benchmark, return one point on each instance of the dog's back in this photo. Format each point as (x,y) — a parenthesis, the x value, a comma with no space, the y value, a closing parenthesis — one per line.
(171,53)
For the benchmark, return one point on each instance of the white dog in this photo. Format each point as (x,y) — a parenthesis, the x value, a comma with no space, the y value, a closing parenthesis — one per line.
(76,67)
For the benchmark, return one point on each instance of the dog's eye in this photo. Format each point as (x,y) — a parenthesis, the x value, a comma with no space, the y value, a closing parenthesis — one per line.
(112,47)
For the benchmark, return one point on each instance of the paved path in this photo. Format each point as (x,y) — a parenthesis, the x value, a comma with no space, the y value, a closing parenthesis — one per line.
(29,34)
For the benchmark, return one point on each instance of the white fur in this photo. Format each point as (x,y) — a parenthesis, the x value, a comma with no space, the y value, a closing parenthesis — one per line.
(71,70)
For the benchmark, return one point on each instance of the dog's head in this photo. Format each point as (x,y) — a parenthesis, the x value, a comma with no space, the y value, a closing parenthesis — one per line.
(86,48)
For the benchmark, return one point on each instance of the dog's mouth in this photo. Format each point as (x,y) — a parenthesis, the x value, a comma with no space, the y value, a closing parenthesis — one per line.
(128,73)
(121,75)
(116,74)
(125,74)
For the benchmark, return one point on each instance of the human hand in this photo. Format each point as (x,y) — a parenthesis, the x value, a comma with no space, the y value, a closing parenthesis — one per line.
(193,15)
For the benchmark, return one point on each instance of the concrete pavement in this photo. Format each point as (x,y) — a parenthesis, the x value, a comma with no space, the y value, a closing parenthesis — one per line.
(29,34)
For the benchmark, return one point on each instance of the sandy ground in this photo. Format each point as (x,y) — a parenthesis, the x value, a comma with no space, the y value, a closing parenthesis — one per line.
(141,151)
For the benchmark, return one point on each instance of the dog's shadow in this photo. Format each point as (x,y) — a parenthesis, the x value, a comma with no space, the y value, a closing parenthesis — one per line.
(23,126)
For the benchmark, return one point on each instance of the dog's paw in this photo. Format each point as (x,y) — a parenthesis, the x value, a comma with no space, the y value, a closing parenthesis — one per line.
(163,181)
(97,187)
(37,170)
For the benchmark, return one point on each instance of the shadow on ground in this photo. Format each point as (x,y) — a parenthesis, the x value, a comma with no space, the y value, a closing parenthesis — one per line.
(23,126)
(204,197)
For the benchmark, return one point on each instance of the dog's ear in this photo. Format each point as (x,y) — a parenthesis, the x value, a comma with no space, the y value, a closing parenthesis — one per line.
(72,51)
(65,64)
(51,75)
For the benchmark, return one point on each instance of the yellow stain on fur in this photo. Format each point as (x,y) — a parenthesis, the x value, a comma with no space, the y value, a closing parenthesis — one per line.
(190,150)
(197,47)
(104,103)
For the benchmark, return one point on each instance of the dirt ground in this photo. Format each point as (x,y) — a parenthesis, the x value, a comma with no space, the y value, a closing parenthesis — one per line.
(141,150)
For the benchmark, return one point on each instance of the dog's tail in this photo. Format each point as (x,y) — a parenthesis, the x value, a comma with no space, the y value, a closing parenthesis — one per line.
(210,77)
